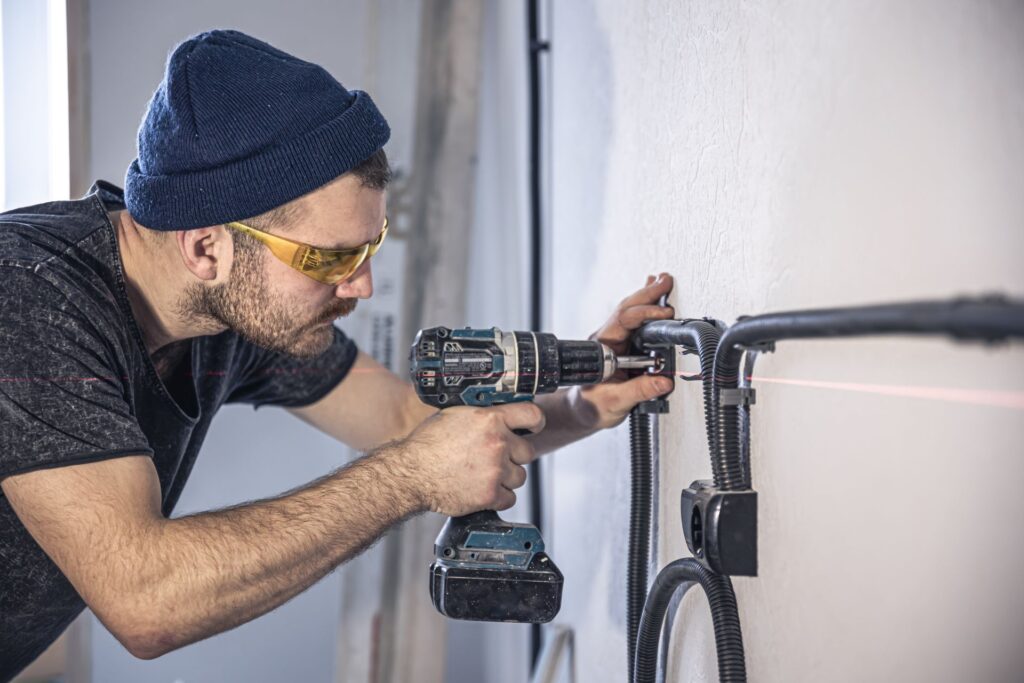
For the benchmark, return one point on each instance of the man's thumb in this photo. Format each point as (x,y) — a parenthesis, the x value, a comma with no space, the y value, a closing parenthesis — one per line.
(645,388)
(655,386)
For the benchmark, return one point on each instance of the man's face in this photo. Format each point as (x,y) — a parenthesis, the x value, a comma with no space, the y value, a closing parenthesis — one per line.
(279,308)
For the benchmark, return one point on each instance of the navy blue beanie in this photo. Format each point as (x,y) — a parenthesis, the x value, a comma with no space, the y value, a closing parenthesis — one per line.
(237,128)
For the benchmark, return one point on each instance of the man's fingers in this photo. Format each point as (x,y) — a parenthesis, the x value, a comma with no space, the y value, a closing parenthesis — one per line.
(522,415)
(515,477)
(521,451)
(504,500)
(635,316)
(651,292)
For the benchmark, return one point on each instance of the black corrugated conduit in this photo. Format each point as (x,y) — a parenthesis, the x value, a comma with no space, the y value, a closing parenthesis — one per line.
(987,319)
(680,575)
(638,553)
(701,337)
(666,630)
(749,360)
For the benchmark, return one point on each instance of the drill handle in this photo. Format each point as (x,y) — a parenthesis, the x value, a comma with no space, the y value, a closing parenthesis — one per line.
(453,533)
(479,518)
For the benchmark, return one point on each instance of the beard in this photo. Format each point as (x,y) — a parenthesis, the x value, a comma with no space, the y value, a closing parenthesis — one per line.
(247,306)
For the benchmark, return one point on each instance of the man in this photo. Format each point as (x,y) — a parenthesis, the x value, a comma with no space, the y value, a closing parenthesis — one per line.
(246,227)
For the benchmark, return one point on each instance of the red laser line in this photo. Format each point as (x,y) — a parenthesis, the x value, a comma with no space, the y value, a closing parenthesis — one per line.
(983,397)
(1013,400)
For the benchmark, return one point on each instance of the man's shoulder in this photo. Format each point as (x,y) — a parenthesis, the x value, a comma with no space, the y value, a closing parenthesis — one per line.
(64,294)
(46,233)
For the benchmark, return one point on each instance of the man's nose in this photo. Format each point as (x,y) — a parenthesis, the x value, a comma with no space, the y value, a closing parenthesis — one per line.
(359,286)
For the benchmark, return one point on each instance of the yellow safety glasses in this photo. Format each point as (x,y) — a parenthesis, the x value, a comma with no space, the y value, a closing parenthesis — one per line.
(329,266)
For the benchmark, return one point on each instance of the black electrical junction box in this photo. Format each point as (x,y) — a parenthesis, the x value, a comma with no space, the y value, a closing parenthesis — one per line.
(721,528)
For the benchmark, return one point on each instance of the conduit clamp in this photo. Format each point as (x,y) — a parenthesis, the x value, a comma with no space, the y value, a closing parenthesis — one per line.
(741,396)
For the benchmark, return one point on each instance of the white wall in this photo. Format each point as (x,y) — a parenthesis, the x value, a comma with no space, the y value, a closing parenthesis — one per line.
(807,154)
(788,155)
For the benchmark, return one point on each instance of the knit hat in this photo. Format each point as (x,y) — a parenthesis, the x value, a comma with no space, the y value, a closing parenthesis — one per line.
(237,128)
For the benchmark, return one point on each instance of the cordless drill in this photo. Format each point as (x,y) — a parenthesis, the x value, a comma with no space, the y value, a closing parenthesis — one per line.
(485,568)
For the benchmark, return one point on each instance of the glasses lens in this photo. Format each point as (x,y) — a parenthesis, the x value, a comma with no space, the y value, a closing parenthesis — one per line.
(375,245)
(341,267)
(333,267)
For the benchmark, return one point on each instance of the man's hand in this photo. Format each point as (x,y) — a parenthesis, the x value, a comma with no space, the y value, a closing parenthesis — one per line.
(466,459)
(578,412)
(607,404)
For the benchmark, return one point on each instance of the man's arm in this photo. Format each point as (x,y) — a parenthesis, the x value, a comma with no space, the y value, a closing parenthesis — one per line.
(158,584)
(577,412)
(369,407)
(372,405)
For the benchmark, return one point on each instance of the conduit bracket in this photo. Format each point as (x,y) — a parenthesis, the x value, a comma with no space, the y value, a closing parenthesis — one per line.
(741,396)
(760,347)
(665,364)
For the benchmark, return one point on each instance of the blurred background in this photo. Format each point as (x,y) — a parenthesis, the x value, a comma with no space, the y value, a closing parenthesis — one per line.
(771,156)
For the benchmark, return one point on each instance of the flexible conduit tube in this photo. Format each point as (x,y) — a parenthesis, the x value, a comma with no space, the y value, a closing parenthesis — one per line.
(989,319)
(665,646)
(724,615)
(749,360)
(696,335)
(639,524)
(699,335)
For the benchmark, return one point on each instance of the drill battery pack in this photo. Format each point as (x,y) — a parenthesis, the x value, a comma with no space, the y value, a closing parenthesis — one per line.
(488,569)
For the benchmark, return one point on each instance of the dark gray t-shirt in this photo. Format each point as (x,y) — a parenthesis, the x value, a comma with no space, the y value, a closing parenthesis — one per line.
(77,385)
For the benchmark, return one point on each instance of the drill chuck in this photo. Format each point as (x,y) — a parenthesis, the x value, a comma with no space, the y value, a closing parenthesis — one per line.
(482,367)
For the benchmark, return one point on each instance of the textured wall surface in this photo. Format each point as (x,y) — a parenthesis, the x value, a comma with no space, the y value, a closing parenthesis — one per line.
(789,155)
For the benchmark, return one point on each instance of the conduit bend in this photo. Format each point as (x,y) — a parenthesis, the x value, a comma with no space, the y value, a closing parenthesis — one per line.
(728,638)
(695,335)
(987,319)
(701,336)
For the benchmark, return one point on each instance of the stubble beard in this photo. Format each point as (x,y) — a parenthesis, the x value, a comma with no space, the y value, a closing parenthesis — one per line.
(246,305)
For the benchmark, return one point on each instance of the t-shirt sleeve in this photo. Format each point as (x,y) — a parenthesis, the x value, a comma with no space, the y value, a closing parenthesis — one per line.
(273,378)
(63,396)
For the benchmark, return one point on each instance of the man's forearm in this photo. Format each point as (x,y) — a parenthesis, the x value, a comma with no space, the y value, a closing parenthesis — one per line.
(216,570)
(569,417)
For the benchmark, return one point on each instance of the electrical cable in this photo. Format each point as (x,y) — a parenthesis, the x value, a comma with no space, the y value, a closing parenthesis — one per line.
(664,647)
(724,615)
(987,319)
(700,336)
(638,552)
(749,361)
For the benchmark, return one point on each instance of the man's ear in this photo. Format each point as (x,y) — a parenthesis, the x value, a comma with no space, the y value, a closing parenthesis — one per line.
(206,252)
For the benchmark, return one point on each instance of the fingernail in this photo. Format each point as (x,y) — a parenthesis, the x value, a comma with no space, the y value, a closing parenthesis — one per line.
(664,384)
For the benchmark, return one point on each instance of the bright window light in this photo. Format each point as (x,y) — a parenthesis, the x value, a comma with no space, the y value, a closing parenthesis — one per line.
(35,162)
(3,125)
(57,81)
